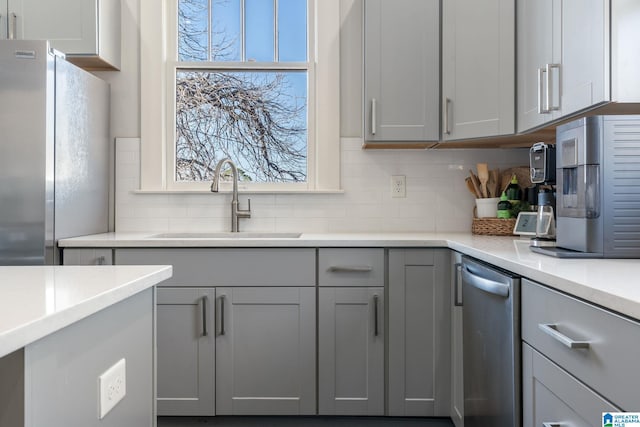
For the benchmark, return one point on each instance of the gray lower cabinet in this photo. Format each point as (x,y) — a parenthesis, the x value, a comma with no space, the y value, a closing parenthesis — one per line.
(457,369)
(185,351)
(419,332)
(266,351)
(552,397)
(579,360)
(351,351)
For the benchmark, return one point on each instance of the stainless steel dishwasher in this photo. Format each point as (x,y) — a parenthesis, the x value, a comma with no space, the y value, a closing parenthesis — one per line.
(491,343)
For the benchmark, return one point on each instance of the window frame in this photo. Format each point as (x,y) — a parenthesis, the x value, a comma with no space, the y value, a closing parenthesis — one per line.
(159,65)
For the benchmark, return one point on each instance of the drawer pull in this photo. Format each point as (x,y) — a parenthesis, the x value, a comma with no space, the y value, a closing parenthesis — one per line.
(552,331)
(552,424)
(350,268)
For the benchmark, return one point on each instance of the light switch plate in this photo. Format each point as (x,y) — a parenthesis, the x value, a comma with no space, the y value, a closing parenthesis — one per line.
(112,387)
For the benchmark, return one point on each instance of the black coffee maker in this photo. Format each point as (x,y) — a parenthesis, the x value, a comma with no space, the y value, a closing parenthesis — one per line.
(542,161)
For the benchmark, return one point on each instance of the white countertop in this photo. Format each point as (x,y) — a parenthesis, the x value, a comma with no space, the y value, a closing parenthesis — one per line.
(610,283)
(36,301)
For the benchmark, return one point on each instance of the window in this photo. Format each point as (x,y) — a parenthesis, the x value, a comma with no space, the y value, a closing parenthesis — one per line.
(240,80)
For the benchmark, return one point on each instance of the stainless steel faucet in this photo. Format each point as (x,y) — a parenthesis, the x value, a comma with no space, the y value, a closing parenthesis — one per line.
(236,213)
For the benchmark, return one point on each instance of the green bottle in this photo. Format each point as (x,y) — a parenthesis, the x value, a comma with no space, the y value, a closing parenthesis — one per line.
(514,193)
(504,207)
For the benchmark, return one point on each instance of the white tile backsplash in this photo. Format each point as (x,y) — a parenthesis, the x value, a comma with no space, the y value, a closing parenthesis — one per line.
(437,199)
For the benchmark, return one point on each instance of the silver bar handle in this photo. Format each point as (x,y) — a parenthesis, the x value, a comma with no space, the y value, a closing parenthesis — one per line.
(375,315)
(457,292)
(12,28)
(374,125)
(550,106)
(552,424)
(205,301)
(552,330)
(486,285)
(447,109)
(541,109)
(223,298)
(350,268)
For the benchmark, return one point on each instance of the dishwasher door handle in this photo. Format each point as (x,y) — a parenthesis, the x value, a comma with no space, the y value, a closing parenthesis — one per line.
(486,285)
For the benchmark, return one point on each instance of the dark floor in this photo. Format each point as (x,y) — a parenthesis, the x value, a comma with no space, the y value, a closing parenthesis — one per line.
(317,421)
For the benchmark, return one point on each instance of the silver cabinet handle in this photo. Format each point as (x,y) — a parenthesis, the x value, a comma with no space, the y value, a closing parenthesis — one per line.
(552,331)
(457,294)
(552,424)
(550,106)
(101,260)
(541,108)
(350,268)
(447,108)
(375,315)
(486,285)
(373,116)
(223,298)
(205,301)
(12,28)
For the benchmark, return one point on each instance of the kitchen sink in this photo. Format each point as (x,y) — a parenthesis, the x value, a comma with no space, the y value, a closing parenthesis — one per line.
(227,235)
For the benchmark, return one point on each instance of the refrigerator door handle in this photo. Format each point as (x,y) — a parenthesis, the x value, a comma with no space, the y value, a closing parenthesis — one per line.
(489,286)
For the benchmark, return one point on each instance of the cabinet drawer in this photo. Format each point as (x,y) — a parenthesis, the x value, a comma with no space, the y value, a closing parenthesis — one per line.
(87,257)
(607,363)
(228,267)
(553,397)
(351,267)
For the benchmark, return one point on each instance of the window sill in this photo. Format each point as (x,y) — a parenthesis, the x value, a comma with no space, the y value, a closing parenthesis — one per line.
(202,192)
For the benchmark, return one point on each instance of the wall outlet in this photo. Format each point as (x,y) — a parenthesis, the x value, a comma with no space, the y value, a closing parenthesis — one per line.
(112,387)
(398,186)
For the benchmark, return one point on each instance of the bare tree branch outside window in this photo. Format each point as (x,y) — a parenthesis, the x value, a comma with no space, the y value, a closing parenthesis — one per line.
(258,118)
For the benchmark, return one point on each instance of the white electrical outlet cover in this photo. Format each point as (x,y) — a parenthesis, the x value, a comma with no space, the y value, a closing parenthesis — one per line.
(112,386)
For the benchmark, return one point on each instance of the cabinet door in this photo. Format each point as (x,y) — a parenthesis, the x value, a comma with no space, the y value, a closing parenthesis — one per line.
(58,21)
(552,397)
(457,365)
(538,34)
(266,351)
(419,332)
(585,41)
(185,351)
(3,19)
(351,351)
(402,70)
(87,31)
(478,68)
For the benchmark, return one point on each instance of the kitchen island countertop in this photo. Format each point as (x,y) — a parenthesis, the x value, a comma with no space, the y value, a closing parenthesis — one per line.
(36,301)
(610,283)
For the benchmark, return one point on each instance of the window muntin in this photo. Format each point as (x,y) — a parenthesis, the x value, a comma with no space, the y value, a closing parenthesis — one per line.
(242,89)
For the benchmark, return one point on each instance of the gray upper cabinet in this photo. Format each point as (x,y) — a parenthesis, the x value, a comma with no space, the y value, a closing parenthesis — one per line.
(419,332)
(185,351)
(351,351)
(402,70)
(563,59)
(266,351)
(87,31)
(478,68)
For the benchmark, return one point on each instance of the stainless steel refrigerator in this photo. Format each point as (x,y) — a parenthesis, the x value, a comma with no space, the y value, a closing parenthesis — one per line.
(54,153)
